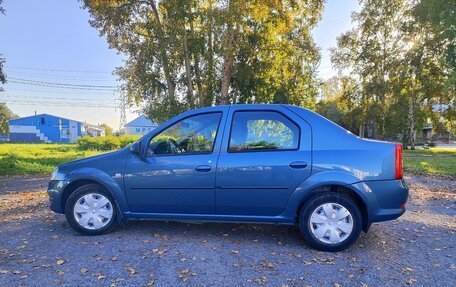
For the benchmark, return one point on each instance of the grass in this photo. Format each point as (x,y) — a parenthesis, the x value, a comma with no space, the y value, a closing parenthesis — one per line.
(16,159)
(439,161)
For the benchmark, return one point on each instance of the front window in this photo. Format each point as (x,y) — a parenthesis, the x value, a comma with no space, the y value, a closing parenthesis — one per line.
(194,134)
(262,130)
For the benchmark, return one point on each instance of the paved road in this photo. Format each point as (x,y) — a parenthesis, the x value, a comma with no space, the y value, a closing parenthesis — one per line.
(38,248)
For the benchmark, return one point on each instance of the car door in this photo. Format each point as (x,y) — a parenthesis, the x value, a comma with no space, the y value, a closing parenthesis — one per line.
(265,155)
(177,172)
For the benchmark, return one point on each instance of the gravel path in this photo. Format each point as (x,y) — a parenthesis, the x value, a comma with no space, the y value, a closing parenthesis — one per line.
(38,248)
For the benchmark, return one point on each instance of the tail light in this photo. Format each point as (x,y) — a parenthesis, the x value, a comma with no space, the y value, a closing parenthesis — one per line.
(398,161)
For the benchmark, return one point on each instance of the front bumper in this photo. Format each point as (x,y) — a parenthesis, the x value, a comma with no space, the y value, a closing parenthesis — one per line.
(385,199)
(55,193)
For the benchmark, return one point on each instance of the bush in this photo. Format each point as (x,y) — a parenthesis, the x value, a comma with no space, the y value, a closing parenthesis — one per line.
(105,143)
(127,140)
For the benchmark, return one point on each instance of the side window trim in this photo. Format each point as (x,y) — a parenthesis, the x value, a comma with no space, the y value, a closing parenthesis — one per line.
(262,150)
(182,119)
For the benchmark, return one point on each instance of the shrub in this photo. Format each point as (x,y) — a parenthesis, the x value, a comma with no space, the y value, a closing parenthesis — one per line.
(127,140)
(105,143)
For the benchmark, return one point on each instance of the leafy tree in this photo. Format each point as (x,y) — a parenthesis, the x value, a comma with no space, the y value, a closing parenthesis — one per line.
(5,116)
(369,51)
(187,53)
(398,59)
(108,129)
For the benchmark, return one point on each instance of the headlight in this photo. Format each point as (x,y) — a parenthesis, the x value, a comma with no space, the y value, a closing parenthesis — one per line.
(56,175)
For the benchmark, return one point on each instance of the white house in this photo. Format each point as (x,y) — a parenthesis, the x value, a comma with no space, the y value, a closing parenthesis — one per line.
(140,126)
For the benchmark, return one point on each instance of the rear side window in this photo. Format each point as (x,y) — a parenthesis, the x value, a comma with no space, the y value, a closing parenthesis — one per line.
(262,130)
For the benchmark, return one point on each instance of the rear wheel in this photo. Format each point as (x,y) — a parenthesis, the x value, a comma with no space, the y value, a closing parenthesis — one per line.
(330,222)
(90,210)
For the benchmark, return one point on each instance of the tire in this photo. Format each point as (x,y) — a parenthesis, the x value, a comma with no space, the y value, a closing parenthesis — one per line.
(101,215)
(322,232)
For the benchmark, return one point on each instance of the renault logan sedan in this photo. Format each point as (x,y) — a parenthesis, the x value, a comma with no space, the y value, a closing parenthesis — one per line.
(240,163)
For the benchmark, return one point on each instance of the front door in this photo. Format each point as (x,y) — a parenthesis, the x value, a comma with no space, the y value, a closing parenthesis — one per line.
(266,155)
(177,175)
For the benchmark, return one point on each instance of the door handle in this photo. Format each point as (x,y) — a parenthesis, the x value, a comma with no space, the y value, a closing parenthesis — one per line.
(203,168)
(298,164)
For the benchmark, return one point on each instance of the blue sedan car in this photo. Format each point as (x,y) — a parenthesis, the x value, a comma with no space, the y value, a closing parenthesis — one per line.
(240,163)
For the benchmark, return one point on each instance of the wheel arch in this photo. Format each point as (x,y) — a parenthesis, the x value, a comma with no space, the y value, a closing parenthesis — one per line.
(340,189)
(85,176)
(334,181)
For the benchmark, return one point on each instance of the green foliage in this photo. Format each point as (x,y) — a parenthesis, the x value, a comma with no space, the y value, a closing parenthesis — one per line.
(5,116)
(186,53)
(108,129)
(397,59)
(105,143)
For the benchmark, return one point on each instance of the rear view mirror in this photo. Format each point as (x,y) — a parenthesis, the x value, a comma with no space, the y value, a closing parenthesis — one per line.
(135,148)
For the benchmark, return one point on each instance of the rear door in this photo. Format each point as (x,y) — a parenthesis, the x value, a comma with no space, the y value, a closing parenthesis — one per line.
(265,155)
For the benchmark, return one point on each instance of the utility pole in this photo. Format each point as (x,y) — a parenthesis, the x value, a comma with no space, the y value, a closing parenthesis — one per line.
(123,108)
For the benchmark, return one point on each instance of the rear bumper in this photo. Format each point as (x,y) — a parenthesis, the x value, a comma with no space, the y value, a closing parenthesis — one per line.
(385,199)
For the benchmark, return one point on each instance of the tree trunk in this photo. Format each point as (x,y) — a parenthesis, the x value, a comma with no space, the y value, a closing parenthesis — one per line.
(411,123)
(199,83)
(163,55)
(361,130)
(188,71)
(227,70)
(210,60)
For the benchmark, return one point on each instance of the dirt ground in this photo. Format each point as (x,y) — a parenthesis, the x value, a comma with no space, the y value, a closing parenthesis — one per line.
(38,248)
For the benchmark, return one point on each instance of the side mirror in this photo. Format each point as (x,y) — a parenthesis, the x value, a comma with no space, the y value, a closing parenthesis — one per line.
(135,148)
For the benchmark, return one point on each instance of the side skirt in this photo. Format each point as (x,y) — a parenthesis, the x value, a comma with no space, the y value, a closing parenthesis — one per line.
(179,217)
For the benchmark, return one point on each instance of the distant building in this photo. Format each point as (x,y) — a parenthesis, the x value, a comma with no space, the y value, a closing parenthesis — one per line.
(49,129)
(140,126)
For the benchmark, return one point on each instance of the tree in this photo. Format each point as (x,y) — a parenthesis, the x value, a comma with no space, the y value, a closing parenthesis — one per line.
(187,53)
(108,129)
(369,51)
(5,116)
(398,57)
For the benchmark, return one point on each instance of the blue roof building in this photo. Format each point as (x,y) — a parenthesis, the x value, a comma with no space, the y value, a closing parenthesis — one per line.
(45,128)
(140,126)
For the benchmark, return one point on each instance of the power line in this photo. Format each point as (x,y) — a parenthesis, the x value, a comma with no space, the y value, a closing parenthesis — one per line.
(63,84)
(60,87)
(100,93)
(61,104)
(15,96)
(64,77)
(57,70)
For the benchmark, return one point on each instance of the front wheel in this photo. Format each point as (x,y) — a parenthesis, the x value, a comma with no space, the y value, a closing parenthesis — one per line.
(90,210)
(330,222)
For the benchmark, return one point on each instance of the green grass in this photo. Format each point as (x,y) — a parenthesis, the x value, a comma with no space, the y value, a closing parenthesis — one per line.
(43,158)
(439,161)
(37,158)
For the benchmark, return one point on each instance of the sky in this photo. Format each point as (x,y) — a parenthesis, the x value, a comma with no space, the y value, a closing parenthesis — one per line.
(50,41)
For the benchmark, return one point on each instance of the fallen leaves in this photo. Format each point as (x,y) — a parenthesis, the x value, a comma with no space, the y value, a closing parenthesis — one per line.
(185,274)
(60,262)
(84,271)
